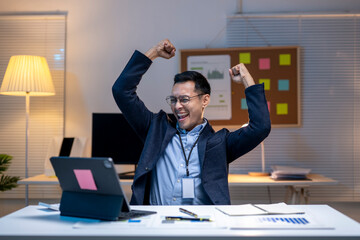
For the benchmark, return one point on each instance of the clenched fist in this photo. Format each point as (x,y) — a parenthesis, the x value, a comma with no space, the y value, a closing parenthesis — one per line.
(164,49)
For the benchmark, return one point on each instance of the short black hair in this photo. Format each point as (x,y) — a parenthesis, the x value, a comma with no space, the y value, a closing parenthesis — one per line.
(201,83)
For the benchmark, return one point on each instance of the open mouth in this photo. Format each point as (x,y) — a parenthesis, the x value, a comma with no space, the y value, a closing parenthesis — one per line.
(182,116)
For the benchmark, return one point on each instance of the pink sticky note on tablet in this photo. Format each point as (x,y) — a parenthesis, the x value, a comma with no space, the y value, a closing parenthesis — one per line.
(85,179)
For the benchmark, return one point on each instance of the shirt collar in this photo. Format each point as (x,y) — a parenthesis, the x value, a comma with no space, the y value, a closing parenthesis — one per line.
(196,129)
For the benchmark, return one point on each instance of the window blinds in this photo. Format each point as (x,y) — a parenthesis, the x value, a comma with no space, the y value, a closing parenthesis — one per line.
(328,140)
(42,35)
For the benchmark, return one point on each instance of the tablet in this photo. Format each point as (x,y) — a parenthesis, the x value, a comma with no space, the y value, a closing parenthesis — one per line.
(91,188)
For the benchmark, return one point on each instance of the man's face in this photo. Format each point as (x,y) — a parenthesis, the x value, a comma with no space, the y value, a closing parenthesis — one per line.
(191,114)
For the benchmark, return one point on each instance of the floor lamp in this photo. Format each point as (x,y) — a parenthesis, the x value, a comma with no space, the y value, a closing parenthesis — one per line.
(27,76)
(262,173)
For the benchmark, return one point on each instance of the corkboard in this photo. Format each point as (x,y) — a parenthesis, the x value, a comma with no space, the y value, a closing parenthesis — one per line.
(277,67)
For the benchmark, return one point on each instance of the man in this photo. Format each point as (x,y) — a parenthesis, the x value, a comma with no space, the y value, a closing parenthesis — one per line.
(185,162)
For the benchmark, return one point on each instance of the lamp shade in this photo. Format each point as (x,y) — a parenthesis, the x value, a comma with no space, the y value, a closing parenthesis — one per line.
(27,75)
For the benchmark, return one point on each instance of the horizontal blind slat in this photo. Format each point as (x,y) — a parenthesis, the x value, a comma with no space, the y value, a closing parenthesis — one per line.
(43,36)
(328,139)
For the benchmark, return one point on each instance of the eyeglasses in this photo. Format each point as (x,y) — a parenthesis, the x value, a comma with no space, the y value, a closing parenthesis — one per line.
(184,100)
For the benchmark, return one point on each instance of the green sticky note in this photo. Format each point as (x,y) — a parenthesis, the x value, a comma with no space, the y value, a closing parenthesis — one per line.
(244,104)
(245,58)
(282,109)
(285,59)
(266,82)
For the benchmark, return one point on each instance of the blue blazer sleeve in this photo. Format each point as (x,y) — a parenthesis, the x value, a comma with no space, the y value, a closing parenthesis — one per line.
(124,92)
(247,138)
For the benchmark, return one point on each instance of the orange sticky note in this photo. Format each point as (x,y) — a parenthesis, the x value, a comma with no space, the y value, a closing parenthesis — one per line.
(85,179)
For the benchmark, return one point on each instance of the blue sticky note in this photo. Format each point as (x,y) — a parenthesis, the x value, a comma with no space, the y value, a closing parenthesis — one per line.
(134,220)
(283,85)
(244,104)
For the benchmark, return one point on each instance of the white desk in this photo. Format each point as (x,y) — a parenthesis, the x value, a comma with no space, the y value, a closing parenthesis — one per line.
(35,222)
(297,191)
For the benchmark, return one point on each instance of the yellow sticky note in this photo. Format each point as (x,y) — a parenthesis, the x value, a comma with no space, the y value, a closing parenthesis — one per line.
(282,109)
(285,59)
(266,83)
(245,58)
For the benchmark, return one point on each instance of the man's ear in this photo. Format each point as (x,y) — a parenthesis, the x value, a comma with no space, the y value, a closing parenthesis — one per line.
(206,100)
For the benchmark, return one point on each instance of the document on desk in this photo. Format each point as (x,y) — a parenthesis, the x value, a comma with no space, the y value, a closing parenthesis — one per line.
(286,222)
(258,209)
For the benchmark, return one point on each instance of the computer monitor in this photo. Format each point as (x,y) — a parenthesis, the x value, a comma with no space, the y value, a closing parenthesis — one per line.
(113,137)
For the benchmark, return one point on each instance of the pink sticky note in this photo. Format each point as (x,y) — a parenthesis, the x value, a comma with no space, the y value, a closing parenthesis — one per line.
(268,103)
(264,63)
(85,179)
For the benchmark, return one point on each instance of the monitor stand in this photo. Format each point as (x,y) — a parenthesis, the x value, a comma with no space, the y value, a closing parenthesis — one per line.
(127,175)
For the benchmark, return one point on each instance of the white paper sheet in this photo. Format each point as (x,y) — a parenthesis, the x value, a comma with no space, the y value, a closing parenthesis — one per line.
(241,210)
(215,68)
(258,209)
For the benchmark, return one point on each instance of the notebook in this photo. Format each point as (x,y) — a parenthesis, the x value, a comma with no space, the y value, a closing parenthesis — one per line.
(91,189)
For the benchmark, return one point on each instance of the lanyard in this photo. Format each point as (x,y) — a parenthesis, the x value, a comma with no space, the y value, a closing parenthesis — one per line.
(187,158)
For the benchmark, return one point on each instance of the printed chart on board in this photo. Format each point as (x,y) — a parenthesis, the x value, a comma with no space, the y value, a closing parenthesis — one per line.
(215,69)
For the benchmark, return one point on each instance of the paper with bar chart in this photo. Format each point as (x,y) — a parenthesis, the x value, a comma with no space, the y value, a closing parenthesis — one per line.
(215,69)
(294,221)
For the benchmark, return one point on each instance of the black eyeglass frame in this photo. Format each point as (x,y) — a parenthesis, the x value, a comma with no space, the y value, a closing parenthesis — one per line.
(181,99)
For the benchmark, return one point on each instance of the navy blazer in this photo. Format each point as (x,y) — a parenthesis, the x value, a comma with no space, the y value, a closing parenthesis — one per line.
(216,149)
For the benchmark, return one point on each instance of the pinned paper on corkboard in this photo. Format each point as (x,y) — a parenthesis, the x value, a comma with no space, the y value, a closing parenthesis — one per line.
(275,67)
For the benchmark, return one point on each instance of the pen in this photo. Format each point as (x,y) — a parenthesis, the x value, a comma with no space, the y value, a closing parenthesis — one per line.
(54,207)
(188,212)
(188,219)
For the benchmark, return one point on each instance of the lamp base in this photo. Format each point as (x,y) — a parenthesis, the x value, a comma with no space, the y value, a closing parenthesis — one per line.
(258,174)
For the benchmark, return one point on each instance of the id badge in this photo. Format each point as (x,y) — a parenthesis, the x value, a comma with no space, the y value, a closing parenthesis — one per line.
(188,188)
